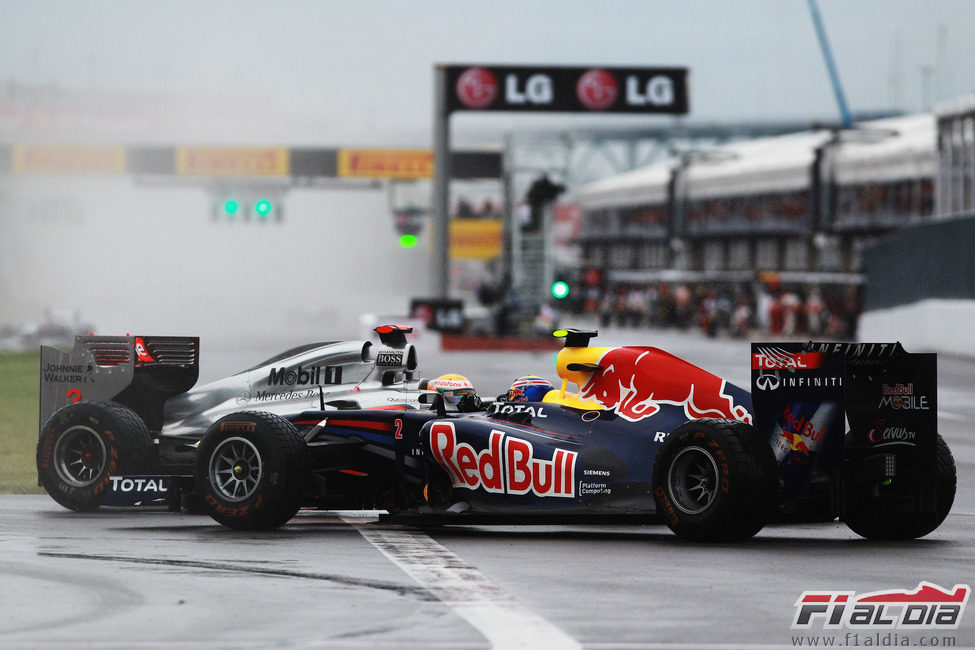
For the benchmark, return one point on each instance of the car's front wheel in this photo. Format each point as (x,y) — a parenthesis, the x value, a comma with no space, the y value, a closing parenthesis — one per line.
(252,471)
(715,481)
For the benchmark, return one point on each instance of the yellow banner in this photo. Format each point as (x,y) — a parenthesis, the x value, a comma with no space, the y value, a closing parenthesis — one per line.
(228,161)
(52,159)
(475,239)
(386,163)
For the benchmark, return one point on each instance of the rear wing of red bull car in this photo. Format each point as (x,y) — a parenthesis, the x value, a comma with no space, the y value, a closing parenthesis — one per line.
(860,417)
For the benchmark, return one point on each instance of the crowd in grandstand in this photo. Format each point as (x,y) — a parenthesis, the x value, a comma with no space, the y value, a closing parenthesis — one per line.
(736,311)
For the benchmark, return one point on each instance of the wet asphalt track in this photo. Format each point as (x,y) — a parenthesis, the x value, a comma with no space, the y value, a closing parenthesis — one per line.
(163,580)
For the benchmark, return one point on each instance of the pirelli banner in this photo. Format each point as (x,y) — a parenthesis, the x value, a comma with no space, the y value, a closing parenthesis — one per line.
(385,163)
(231,161)
(243,162)
(54,159)
(475,239)
(566,89)
(407,164)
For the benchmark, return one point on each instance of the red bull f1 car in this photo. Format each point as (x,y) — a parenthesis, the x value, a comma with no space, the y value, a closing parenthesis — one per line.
(632,434)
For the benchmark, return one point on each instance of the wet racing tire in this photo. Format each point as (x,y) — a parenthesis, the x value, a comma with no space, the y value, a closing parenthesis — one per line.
(83,445)
(715,481)
(866,518)
(252,471)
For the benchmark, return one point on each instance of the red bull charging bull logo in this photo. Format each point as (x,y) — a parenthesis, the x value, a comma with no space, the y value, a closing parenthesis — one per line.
(635,382)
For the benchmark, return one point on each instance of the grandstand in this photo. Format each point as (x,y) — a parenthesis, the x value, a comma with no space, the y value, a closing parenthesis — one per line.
(790,212)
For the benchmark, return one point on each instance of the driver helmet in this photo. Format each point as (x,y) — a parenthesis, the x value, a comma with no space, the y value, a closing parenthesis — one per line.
(452,387)
(528,389)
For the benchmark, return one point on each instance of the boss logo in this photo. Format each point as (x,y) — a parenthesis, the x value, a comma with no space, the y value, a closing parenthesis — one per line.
(389,359)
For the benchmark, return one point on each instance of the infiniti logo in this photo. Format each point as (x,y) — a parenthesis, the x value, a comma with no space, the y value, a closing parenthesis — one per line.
(768,382)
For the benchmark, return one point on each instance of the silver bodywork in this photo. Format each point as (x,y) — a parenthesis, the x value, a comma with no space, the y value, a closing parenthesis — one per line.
(348,374)
(321,376)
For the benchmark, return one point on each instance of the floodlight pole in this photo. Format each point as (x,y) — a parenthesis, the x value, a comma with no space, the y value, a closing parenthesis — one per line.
(439,231)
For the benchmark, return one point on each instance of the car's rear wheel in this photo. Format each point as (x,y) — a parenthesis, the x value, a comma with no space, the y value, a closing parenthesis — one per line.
(252,471)
(715,481)
(886,508)
(83,445)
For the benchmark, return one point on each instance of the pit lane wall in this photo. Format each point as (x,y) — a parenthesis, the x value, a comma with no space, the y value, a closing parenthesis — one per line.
(921,288)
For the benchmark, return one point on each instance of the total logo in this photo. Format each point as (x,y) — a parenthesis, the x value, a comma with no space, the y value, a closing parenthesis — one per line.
(512,409)
(507,466)
(137,484)
(926,607)
(775,359)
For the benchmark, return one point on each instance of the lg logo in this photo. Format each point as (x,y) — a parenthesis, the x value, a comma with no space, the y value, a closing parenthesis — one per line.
(477,88)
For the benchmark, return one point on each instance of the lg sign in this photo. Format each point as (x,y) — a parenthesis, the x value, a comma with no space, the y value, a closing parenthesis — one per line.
(627,90)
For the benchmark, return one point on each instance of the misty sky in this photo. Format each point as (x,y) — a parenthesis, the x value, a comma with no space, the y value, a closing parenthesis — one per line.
(357,72)
(132,257)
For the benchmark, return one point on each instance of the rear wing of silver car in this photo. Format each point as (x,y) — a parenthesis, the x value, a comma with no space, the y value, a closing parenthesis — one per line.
(140,372)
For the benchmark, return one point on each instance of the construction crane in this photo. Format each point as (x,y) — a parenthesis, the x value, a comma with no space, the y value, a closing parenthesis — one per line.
(834,77)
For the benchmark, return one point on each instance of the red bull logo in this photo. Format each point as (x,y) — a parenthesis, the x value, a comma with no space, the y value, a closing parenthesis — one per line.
(801,427)
(794,442)
(507,466)
(635,382)
(799,424)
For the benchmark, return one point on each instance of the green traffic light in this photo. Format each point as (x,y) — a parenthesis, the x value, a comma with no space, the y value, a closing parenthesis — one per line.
(560,289)
(262,207)
(231,207)
(408,241)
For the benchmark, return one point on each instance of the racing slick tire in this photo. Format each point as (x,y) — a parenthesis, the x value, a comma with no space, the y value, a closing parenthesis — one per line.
(715,481)
(252,471)
(864,518)
(83,445)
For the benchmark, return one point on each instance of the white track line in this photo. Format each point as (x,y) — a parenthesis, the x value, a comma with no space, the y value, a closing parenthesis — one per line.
(503,621)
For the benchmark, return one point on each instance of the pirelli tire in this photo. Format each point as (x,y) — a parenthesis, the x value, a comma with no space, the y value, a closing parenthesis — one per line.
(252,471)
(83,445)
(715,480)
(863,514)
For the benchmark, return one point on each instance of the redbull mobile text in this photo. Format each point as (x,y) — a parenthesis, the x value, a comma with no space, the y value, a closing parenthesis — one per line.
(507,466)
(635,382)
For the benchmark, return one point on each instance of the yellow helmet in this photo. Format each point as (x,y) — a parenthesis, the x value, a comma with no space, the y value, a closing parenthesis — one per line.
(452,386)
